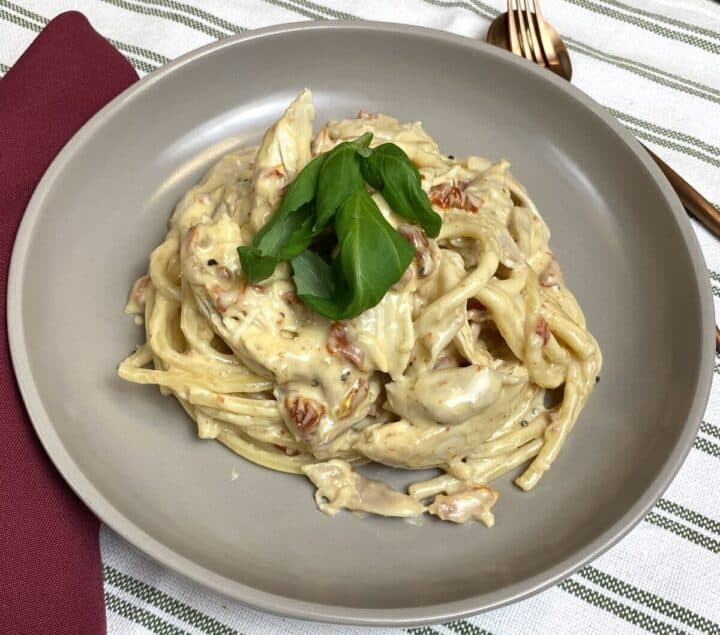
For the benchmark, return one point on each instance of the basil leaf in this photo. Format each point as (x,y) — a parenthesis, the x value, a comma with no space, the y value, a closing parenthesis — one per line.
(372,257)
(294,226)
(288,238)
(363,141)
(255,265)
(298,196)
(280,241)
(300,192)
(288,232)
(339,177)
(312,275)
(389,170)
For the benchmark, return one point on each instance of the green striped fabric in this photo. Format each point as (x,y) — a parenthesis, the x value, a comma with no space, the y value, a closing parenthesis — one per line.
(655,66)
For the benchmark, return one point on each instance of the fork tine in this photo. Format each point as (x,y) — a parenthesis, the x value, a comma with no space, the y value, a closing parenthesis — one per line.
(534,34)
(526,50)
(513,29)
(545,41)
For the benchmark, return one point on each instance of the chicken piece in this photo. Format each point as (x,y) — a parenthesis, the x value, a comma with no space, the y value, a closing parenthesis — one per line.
(411,137)
(421,443)
(465,505)
(448,395)
(427,254)
(283,152)
(339,487)
(385,334)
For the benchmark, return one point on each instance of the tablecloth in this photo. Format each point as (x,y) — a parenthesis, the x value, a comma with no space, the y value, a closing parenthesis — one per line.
(655,65)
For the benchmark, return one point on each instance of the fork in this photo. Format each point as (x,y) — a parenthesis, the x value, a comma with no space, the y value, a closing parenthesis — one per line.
(529,36)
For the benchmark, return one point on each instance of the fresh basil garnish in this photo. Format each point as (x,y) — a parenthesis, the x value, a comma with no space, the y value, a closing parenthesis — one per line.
(372,257)
(256,265)
(313,276)
(289,231)
(339,178)
(371,254)
(389,170)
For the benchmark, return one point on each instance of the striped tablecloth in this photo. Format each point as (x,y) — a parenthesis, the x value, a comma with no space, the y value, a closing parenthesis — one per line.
(655,65)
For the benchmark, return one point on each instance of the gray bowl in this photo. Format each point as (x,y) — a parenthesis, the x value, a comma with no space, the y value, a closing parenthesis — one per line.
(132,456)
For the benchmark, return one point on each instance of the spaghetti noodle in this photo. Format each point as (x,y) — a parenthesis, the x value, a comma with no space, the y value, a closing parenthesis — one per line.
(453,369)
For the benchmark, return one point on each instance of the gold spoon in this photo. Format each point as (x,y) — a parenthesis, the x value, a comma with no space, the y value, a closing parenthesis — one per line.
(540,42)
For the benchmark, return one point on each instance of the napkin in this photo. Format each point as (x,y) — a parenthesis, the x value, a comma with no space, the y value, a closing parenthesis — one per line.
(50,569)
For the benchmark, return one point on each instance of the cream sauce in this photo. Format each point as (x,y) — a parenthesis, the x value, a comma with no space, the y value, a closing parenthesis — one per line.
(444,372)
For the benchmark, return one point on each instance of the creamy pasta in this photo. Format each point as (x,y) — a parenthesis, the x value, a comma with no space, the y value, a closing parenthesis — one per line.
(478,361)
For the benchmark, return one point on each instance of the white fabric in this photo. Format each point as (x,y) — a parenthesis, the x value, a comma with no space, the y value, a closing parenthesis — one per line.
(656,65)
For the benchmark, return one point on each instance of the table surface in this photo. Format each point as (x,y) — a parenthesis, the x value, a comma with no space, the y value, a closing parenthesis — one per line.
(655,65)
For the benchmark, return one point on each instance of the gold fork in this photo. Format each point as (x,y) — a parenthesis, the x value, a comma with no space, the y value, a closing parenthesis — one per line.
(524,31)
(530,37)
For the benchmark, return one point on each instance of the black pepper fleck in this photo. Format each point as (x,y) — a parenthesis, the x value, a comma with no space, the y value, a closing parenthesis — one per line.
(212,262)
(524,423)
(315,382)
(345,375)
(597,379)
(451,157)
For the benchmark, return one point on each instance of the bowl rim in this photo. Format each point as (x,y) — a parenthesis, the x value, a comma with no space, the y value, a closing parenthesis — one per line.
(278,604)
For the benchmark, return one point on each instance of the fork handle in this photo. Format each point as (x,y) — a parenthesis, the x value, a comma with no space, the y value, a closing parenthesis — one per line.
(694,202)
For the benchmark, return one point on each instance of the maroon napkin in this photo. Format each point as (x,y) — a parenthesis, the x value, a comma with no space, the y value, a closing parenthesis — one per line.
(50,569)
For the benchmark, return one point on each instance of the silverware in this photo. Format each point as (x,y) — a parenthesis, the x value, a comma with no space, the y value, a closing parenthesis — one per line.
(524,31)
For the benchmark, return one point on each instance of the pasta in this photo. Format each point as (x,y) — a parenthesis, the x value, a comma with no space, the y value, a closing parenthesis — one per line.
(478,361)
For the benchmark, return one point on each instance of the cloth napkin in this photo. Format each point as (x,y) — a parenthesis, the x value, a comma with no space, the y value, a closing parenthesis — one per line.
(655,64)
(50,568)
